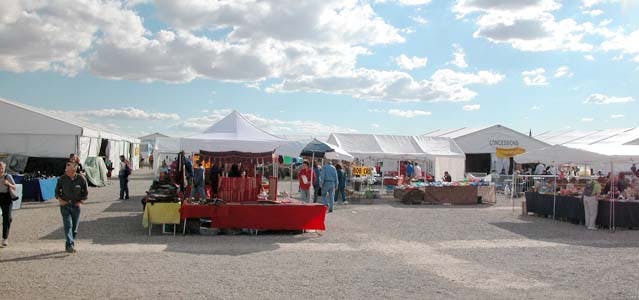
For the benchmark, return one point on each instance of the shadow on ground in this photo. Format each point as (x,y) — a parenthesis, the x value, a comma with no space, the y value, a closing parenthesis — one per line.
(128,229)
(547,230)
(52,255)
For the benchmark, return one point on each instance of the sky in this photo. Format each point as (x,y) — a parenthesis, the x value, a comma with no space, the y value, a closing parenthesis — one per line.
(314,67)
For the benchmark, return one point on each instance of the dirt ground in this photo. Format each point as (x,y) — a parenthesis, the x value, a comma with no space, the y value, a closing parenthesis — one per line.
(382,249)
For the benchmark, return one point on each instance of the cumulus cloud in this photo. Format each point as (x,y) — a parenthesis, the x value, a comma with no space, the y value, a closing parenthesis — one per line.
(534,77)
(589,57)
(444,85)
(625,43)
(419,20)
(592,13)
(272,125)
(408,113)
(471,107)
(296,45)
(410,63)
(604,99)
(587,119)
(459,57)
(563,71)
(127,113)
(526,25)
(616,116)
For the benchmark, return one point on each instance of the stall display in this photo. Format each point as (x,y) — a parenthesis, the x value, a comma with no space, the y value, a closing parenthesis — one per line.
(38,189)
(455,193)
(571,209)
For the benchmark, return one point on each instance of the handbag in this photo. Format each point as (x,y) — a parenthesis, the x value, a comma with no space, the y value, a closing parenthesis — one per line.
(12,192)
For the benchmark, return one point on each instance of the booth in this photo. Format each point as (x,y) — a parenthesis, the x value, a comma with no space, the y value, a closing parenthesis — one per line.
(242,202)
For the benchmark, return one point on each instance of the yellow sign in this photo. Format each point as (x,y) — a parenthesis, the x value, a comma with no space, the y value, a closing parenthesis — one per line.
(509,152)
(136,150)
(361,171)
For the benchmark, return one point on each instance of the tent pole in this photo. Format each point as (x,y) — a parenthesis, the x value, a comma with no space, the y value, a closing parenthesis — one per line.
(554,195)
(291,194)
(312,177)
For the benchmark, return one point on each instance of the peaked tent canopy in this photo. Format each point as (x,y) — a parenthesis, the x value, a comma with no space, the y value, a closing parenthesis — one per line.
(325,150)
(233,133)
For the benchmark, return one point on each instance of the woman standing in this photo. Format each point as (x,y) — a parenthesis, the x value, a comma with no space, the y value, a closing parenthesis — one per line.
(6,202)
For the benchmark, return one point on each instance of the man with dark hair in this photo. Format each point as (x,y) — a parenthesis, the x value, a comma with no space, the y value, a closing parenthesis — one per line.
(76,159)
(123,175)
(198,181)
(71,191)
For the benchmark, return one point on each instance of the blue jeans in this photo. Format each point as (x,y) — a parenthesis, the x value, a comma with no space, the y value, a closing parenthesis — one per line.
(124,187)
(341,191)
(304,195)
(328,189)
(315,193)
(70,218)
(198,189)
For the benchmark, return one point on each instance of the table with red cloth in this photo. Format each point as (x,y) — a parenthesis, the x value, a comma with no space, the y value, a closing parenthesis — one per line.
(281,215)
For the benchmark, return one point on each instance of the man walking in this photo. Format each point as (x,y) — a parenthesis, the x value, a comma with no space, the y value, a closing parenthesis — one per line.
(328,180)
(71,191)
(123,175)
(316,181)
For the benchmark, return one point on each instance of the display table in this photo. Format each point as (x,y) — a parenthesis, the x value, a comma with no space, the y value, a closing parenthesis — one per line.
(39,189)
(160,213)
(626,213)
(450,194)
(487,193)
(570,208)
(261,216)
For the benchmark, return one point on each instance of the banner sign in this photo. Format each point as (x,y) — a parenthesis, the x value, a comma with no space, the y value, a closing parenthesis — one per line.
(509,152)
(361,171)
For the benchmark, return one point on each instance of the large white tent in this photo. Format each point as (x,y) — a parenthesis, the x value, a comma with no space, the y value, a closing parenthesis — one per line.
(233,133)
(444,153)
(558,154)
(480,145)
(34,132)
(622,143)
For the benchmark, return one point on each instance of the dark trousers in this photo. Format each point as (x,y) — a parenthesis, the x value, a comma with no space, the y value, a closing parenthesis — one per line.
(70,218)
(6,206)
(124,186)
(341,191)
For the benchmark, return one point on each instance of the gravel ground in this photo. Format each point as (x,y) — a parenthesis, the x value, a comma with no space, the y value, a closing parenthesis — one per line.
(379,250)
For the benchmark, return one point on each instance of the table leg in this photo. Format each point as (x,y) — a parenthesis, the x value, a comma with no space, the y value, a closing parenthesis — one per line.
(184,227)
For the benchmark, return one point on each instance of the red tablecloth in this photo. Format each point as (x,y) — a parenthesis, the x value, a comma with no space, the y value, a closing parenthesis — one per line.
(239,189)
(262,216)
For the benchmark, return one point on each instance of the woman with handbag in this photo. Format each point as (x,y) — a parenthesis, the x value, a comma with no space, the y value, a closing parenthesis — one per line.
(7,195)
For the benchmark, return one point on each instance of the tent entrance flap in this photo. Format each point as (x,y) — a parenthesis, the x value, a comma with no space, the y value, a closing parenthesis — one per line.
(478,162)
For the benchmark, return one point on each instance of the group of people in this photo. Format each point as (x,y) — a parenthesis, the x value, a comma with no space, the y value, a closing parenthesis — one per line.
(328,181)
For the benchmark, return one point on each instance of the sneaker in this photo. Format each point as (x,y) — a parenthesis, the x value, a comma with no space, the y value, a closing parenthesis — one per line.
(5,242)
(345,202)
(70,250)
(126,198)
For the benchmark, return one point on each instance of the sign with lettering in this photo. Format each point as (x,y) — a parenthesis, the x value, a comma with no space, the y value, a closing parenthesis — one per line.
(509,152)
(503,142)
(361,171)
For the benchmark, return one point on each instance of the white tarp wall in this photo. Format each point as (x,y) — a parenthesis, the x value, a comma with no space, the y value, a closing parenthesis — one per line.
(38,145)
(434,154)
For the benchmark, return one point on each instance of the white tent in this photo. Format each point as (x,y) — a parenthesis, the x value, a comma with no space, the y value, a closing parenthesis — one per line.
(561,155)
(33,132)
(233,133)
(444,153)
(480,144)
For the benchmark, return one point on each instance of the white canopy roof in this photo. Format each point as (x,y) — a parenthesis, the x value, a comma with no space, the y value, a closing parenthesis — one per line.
(233,133)
(560,155)
(621,143)
(488,139)
(394,146)
(21,119)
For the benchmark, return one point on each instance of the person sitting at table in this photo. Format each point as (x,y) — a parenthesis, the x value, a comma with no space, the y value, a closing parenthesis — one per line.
(447,177)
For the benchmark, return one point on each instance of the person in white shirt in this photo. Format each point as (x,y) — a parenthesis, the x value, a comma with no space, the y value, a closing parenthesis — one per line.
(418,171)
(540,169)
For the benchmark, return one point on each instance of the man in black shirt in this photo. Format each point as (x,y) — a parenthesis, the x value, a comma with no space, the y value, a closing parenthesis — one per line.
(71,191)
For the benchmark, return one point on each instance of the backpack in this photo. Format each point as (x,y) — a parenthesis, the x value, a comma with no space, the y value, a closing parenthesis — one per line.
(589,189)
(127,170)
